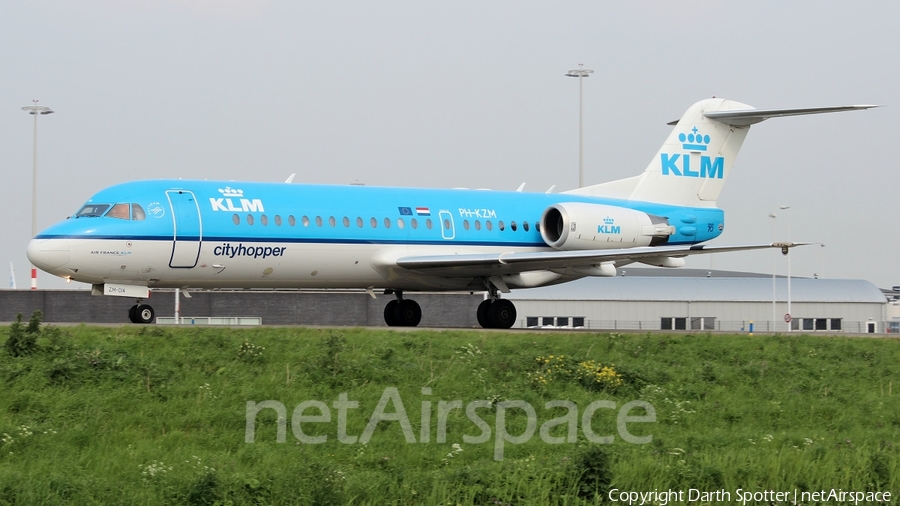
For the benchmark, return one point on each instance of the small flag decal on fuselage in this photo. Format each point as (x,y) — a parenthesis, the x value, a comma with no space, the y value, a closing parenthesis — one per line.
(405,211)
(423,211)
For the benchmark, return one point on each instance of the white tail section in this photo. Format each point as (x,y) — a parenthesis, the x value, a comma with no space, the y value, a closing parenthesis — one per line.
(691,167)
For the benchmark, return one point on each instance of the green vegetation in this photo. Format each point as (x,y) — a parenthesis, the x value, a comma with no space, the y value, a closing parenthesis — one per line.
(152,415)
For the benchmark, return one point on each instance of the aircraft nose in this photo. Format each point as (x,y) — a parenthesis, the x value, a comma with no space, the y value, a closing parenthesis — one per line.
(48,254)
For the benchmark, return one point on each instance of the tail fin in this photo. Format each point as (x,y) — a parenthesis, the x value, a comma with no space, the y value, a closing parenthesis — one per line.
(691,167)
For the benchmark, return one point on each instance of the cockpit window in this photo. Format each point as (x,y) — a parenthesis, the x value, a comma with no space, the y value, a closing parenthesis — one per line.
(137,212)
(119,211)
(92,210)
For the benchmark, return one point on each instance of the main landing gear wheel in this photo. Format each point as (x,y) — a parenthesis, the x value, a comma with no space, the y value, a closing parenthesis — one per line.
(502,314)
(402,312)
(408,313)
(390,313)
(496,314)
(482,314)
(141,314)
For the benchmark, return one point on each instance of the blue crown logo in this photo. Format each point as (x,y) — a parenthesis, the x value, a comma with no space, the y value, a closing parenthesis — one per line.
(693,141)
(608,221)
(231,192)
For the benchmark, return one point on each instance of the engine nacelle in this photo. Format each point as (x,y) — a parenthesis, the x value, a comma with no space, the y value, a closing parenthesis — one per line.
(579,226)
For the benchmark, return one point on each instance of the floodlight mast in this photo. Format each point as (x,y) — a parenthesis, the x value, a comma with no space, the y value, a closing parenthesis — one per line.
(580,72)
(790,324)
(774,268)
(35,110)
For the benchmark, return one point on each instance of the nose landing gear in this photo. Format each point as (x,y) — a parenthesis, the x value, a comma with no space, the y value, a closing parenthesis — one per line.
(141,313)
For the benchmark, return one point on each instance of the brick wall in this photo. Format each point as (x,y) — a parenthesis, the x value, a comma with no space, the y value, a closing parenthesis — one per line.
(275,308)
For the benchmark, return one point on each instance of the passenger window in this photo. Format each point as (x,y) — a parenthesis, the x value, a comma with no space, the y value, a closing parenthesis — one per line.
(489,225)
(359,222)
(119,211)
(525,226)
(465,224)
(137,212)
(331,221)
(428,223)
(291,220)
(305,221)
(537,226)
(414,223)
(373,222)
(501,226)
(249,219)
(387,223)
(447,224)
(318,221)
(278,220)
(236,219)
(512,226)
(400,223)
(477,225)
(264,220)
(346,222)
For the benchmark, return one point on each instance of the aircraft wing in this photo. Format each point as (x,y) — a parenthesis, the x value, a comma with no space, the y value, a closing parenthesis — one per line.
(494,264)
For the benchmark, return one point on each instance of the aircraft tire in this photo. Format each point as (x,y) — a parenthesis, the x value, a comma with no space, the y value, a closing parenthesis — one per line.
(502,314)
(132,314)
(408,314)
(144,314)
(482,314)
(390,313)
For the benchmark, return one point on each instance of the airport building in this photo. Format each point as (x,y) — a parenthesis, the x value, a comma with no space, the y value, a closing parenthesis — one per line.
(690,299)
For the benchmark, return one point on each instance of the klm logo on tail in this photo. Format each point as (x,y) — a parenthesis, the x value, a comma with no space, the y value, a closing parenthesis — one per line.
(712,168)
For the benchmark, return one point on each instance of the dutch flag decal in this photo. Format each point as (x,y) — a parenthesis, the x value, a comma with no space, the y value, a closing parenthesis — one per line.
(423,211)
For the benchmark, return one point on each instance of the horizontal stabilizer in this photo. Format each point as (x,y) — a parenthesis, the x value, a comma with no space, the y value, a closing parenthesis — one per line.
(752,116)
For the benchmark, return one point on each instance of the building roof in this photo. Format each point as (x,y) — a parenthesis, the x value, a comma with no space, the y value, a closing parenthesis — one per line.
(706,289)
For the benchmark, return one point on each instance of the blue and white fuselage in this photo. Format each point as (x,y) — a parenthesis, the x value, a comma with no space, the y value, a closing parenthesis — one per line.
(135,236)
(207,234)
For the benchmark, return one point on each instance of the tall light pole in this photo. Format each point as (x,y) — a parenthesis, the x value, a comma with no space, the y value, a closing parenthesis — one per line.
(790,324)
(580,72)
(774,267)
(35,110)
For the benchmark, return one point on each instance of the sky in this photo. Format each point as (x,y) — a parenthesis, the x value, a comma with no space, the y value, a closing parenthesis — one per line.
(460,94)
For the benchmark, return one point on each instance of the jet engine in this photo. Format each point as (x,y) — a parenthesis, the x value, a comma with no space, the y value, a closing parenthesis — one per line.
(579,226)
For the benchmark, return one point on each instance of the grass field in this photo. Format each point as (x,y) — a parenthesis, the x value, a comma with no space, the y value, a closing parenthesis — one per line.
(150,415)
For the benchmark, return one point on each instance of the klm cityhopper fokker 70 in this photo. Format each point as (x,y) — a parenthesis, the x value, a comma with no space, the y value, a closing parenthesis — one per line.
(135,236)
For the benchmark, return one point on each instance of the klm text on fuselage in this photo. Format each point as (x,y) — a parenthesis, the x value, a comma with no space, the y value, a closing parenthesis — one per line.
(246,205)
(711,168)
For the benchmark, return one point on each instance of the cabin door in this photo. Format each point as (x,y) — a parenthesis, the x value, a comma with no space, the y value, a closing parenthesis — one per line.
(448,230)
(188,229)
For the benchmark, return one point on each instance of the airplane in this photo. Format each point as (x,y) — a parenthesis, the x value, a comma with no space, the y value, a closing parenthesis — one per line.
(136,236)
